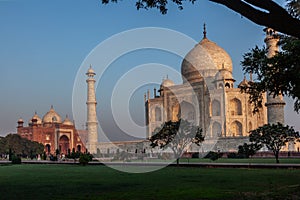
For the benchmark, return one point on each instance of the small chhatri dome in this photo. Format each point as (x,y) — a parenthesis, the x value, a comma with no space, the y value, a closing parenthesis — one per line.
(244,82)
(167,82)
(223,74)
(37,118)
(206,58)
(51,117)
(90,72)
(67,121)
(20,120)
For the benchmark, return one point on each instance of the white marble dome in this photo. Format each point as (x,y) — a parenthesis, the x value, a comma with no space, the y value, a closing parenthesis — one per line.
(204,60)
(167,83)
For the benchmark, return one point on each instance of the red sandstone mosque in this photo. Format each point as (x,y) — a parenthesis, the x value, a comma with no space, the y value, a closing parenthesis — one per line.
(52,132)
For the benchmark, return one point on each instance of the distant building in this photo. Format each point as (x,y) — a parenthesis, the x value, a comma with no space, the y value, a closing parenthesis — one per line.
(53,133)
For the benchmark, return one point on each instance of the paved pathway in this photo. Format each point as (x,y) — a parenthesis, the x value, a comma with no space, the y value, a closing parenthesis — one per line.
(182,164)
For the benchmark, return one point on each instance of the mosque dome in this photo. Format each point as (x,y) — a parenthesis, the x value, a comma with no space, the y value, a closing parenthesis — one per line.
(38,119)
(223,74)
(35,117)
(205,59)
(20,120)
(67,121)
(51,116)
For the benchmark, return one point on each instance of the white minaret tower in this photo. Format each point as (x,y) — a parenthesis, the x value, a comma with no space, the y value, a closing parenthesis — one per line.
(92,122)
(275,106)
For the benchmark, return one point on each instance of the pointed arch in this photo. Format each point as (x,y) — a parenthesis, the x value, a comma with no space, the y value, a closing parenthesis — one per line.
(79,148)
(48,148)
(216,129)
(64,144)
(236,107)
(236,129)
(157,113)
(187,111)
(215,108)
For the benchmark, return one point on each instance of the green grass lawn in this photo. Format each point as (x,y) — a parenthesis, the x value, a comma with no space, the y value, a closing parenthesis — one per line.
(100,182)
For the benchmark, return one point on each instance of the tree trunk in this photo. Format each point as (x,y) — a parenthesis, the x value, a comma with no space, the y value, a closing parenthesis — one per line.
(177,161)
(276,156)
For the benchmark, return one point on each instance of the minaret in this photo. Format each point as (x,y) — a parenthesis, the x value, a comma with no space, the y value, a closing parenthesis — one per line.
(92,122)
(275,106)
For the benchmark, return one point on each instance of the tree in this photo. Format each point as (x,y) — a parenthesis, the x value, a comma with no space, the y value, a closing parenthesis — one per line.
(277,75)
(20,146)
(262,12)
(274,137)
(177,135)
(248,150)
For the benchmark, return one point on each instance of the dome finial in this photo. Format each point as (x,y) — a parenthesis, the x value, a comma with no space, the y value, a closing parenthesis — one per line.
(204,30)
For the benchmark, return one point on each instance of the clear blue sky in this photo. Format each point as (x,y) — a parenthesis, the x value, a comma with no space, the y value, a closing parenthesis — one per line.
(43,43)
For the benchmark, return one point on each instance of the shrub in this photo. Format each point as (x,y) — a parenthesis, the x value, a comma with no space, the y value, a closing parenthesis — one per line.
(213,155)
(84,159)
(53,158)
(15,159)
(44,156)
(248,150)
(232,155)
(195,155)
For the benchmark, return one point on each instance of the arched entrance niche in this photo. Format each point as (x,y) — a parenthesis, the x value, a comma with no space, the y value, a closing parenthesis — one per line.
(187,111)
(47,148)
(216,130)
(236,129)
(79,148)
(64,144)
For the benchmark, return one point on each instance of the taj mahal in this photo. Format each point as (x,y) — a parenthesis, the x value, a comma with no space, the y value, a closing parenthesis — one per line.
(207,97)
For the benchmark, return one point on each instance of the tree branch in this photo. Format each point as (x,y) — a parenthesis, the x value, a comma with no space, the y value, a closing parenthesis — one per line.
(276,17)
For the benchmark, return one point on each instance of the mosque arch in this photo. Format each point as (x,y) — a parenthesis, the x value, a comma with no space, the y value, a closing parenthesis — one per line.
(48,148)
(64,144)
(79,148)
(187,111)
(215,108)
(216,129)
(236,129)
(236,107)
